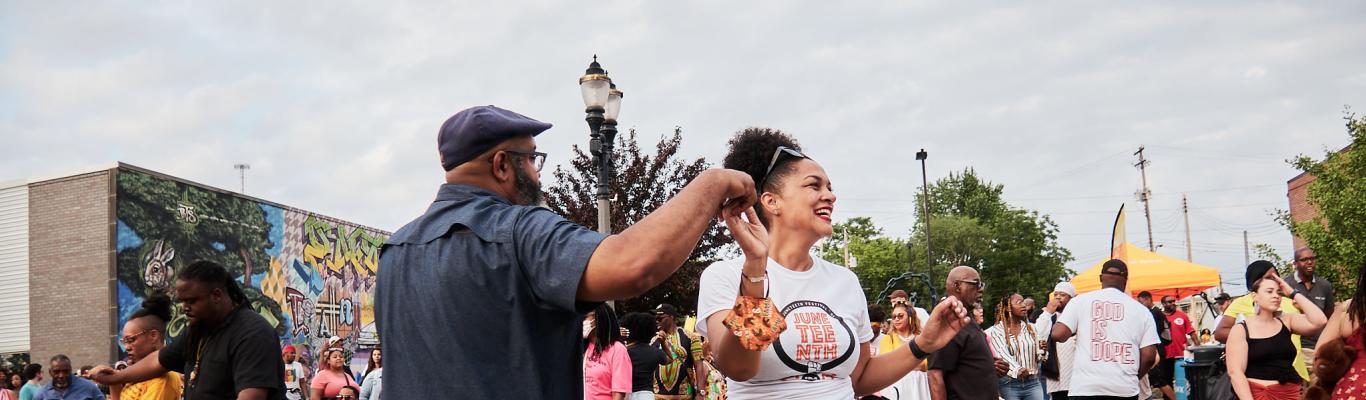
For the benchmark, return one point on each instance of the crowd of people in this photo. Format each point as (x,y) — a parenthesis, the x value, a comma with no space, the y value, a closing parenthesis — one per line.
(228,352)
(489,295)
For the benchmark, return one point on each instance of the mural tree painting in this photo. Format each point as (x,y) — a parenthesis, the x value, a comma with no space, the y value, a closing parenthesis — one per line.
(310,276)
(642,183)
(177,224)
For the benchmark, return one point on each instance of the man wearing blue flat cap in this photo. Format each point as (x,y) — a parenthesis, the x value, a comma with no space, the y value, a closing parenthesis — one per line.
(484,295)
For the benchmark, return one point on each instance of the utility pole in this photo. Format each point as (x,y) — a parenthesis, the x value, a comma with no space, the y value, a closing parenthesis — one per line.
(1247,255)
(1145,195)
(846,247)
(242,174)
(1185,212)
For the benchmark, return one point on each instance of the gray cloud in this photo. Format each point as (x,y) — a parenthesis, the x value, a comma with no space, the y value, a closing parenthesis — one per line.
(336,105)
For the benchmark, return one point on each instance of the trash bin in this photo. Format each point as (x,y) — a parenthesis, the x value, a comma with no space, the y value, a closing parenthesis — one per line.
(1200,373)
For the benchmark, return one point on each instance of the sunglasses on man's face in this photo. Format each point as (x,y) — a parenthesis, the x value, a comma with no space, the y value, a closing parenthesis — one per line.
(977,283)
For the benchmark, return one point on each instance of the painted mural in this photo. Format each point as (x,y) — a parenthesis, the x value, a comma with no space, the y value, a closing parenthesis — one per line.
(310,276)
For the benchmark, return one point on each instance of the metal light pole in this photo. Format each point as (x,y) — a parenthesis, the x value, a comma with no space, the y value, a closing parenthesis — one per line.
(242,173)
(925,209)
(601,103)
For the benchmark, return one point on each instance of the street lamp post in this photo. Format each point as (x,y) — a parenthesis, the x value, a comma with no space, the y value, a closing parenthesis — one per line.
(925,209)
(601,103)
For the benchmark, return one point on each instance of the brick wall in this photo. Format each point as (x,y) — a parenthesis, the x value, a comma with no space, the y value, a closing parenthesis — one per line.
(1300,209)
(71,268)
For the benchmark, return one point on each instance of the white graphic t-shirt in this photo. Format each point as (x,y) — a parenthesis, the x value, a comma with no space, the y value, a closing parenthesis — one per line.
(1110,329)
(293,371)
(827,321)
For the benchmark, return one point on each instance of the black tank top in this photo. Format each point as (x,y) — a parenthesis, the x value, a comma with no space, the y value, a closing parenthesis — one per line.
(1272,358)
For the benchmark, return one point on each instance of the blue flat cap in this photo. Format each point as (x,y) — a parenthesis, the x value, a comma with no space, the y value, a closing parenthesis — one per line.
(474,130)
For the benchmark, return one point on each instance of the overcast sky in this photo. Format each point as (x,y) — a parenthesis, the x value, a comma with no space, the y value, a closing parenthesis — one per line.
(335,105)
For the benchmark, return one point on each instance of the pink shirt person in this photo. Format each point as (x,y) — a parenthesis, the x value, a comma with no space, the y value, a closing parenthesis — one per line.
(611,372)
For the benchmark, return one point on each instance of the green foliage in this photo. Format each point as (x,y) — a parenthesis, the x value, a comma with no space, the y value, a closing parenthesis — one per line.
(873,257)
(643,182)
(1263,251)
(1015,250)
(1339,194)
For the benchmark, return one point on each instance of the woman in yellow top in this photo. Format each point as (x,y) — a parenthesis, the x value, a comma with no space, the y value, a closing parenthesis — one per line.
(905,327)
(144,334)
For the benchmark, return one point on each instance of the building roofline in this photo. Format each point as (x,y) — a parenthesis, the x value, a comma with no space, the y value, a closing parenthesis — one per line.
(161,175)
(70,173)
(131,167)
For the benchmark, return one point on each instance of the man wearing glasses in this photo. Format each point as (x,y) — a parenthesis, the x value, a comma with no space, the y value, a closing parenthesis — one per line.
(965,368)
(492,288)
(1316,288)
(1116,337)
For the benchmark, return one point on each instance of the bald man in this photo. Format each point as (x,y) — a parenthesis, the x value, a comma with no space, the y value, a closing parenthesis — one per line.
(965,367)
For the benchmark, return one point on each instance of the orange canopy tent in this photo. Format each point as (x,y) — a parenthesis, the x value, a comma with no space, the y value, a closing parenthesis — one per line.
(1156,273)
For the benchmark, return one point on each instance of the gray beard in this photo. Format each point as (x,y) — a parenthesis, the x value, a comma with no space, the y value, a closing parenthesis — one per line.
(528,189)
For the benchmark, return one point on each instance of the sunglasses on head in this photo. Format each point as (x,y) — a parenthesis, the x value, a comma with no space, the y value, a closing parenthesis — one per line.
(1114,272)
(778,154)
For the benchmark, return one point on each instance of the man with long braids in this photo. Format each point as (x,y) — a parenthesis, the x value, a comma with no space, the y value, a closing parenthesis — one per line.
(229,351)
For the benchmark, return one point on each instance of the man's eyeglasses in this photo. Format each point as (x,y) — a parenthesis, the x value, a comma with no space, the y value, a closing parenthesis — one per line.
(128,340)
(977,283)
(344,397)
(1306,259)
(777,154)
(537,158)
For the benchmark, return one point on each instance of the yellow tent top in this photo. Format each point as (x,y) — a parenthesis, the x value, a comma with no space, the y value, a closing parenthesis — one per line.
(1156,273)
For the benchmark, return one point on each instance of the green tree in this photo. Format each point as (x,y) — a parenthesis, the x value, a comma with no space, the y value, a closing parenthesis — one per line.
(874,257)
(1014,249)
(643,182)
(1339,194)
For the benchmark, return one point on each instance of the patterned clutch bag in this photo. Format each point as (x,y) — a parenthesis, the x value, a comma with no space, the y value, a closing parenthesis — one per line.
(756,322)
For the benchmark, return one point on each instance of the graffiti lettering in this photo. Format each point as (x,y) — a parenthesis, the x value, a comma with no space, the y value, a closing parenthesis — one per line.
(333,247)
(185,213)
(298,310)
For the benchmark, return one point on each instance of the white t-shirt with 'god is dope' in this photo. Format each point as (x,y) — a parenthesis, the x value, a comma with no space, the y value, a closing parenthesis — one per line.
(1110,329)
(827,321)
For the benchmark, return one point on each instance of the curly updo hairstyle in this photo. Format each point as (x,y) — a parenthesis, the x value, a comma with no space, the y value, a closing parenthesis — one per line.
(751,149)
(157,306)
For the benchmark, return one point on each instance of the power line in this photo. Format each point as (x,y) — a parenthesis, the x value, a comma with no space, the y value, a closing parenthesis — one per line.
(1107,196)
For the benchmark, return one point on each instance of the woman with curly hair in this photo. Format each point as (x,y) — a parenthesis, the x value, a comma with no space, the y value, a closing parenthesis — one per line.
(1014,340)
(643,339)
(786,324)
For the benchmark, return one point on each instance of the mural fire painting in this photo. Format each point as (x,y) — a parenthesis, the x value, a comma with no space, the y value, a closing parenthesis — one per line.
(309,275)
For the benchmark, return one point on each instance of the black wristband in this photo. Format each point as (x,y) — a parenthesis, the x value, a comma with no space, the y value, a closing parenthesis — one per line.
(916,351)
